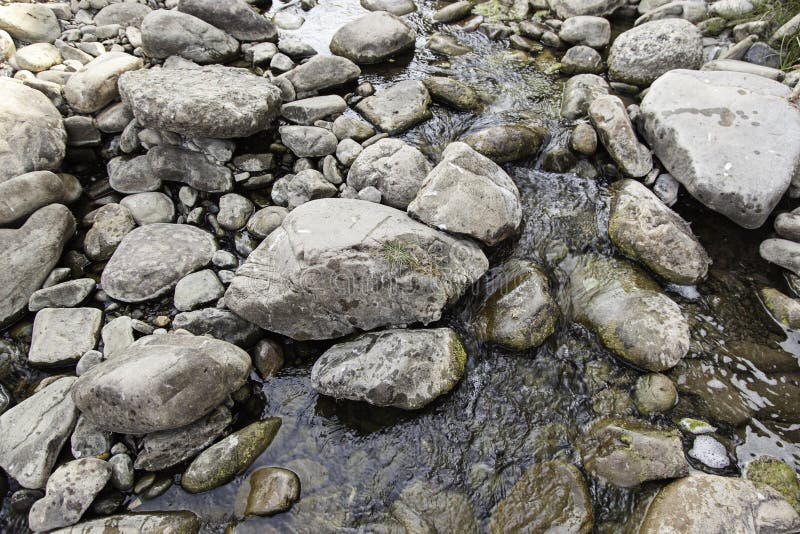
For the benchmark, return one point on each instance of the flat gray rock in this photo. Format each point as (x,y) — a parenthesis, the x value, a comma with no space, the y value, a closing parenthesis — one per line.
(398,108)
(642,227)
(395,7)
(33,432)
(129,176)
(31,253)
(642,54)
(161,382)
(322,72)
(715,133)
(61,335)
(64,295)
(70,491)
(34,137)
(233,16)
(615,130)
(95,86)
(124,13)
(291,284)
(309,110)
(571,8)
(168,33)
(174,164)
(216,102)
(168,448)
(308,141)
(393,167)
(219,324)
(402,368)
(178,521)
(467,193)
(373,38)
(151,259)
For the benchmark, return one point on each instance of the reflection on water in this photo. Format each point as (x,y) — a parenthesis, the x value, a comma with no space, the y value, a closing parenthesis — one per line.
(514,409)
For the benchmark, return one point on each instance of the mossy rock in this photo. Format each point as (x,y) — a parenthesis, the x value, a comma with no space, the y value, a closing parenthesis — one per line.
(767,471)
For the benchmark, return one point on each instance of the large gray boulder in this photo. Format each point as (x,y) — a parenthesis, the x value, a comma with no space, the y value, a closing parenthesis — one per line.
(642,54)
(572,8)
(642,227)
(34,138)
(95,86)
(160,382)
(398,108)
(373,38)
(70,491)
(715,133)
(406,369)
(628,312)
(31,252)
(32,23)
(33,432)
(151,259)
(322,72)
(172,33)
(467,193)
(336,266)
(233,16)
(393,167)
(701,504)
(22,195)
(215,101)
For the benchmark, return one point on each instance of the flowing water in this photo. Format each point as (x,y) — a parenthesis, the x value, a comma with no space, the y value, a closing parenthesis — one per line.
(511,409)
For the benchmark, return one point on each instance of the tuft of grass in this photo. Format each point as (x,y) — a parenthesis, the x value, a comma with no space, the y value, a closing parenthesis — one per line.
(777,13)
(398,253)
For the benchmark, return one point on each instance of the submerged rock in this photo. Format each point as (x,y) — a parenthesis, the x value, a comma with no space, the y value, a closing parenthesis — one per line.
(507,142)
(521,313)
(454,93)
(628,312)
(549,497)
(272,490)
(392,166)
(467,193)
(215,101)
(34,138)
(398,108)
(221,462)
(326,271)
(784,308)
(714,132)
(402,368)
(161,382)
(628,452)
(704,503)
(778,475)
(152,259)
(425,507)
(642,227)
(373,38)
(31,253)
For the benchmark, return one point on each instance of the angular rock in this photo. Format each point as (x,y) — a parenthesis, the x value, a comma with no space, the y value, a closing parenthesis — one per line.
(168,448)
(467,193)
(216,102)
(233,16)
(373,38)
(151,259)
(34,137)
(406,369)
(33,432)
(507,142)
(221,462)
(161,382)
(298,266)
(610,119)
(27,193)
(32,23)
(628,312)
(95,86)
(175,164)
(70,492)
(521,313)
(89,440)
(220,324)
(398,108)
(32,252)
(172,33)
(393,167)
(322,72)
(642,227)
(62,335)
(642,54)
(714,132)
(309,110)
(112,222)
(166,522)
(562,502)
(628,452)
(704,503)
(64,295)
